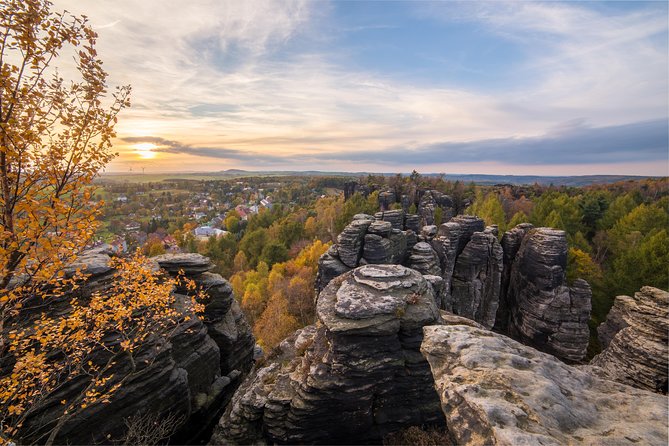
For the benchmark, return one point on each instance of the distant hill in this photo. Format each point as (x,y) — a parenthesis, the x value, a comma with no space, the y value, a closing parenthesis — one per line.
(582,180)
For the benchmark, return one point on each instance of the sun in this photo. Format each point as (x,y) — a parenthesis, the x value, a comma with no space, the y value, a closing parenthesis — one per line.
(145,150)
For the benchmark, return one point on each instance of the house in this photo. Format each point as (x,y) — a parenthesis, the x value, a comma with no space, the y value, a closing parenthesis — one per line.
(204,232)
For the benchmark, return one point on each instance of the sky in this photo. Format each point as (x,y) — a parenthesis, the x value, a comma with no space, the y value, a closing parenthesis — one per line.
(539,88)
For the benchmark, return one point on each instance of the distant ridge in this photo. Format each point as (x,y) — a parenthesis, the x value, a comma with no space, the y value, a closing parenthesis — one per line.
(482,179)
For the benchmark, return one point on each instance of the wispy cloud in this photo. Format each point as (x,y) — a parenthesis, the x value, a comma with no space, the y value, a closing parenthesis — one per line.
(254,81)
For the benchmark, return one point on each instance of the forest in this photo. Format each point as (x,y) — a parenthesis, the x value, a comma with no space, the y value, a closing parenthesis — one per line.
(617,236)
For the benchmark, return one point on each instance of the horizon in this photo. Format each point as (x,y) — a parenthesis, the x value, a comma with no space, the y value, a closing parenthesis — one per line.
(496,88)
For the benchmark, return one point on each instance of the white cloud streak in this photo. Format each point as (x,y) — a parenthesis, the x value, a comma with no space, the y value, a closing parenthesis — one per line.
(210,73)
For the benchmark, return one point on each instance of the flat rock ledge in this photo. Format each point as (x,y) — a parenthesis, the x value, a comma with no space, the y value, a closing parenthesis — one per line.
(495,390)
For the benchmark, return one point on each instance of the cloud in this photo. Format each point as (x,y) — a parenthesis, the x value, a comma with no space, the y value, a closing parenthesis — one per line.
(169,146)
(570,143)
(638,142)
(255,81)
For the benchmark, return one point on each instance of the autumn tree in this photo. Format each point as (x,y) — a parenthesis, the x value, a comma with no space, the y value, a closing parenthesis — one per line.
(55,137)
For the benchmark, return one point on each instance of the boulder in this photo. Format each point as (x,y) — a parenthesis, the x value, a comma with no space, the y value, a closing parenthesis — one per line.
(354,377)
(637,354)
(547,314)
(495,390)
(477,279)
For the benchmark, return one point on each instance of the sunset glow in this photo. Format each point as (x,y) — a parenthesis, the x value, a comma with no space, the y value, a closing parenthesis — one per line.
(502,87)
(145,150)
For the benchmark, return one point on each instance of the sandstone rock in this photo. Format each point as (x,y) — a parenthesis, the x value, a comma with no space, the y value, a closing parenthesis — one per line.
(547,314)
(412,222)
(382,228)
(191,264)
(451,240)
(429,202)
(353,377)
(511,241)
(386,199)
(395,217)
(637,354)
(424,260)
(189,373)
(377,249)
(350,241)
(615,320)
(329,267)
(399,250)
(477,279)
(496,391)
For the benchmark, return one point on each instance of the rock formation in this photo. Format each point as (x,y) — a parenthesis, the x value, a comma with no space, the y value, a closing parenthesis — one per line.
(547,314)
(378,239)
(432,200)
(189,375)
(511,241)
(517,286)
(495,390)
(450,241)
(638,353)
(353,377)
(477,279)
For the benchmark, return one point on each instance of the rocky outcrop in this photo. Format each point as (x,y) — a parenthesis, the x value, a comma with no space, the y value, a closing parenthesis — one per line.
(451,239)
(424,260)
(495,390)
(511,241)
(188,374)
(637,355)
(353,377)
(615,321)
(381,239)
(429,204)
(386,200)
(547,314)
(517,287)
(477,279)
(349,242)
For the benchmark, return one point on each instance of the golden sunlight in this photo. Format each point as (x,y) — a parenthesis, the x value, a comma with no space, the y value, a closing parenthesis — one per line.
(145,150)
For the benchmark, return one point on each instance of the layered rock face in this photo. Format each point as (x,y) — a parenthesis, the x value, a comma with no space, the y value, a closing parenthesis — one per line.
(547,314)
(511,241)
(477,279)
(190,375)
(637,354)
(378,239)
(517,286)
(353,377)
(450,241)
(429,202)
(495,390)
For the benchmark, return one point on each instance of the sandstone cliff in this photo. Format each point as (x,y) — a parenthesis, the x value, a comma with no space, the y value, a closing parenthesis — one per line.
(516,286)
(354,377)
(637,354)
(189,375)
